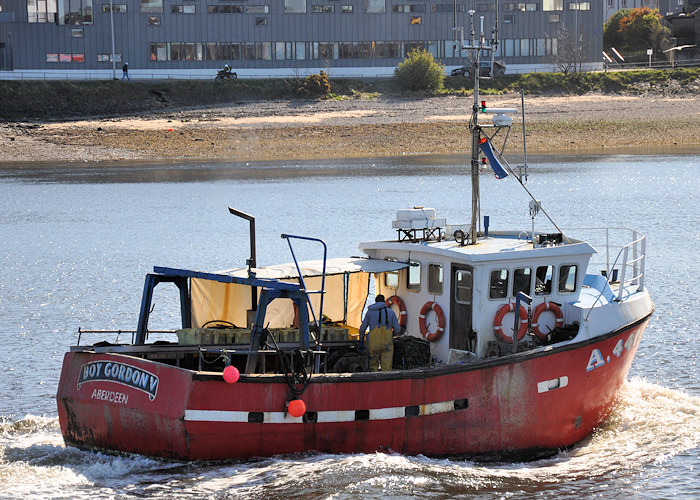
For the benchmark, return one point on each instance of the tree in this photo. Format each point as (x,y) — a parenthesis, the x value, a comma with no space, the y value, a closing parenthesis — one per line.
(419,71)
(567,52)
(635,30)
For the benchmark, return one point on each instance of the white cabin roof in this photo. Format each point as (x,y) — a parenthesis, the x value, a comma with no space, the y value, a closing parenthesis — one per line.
(496,247)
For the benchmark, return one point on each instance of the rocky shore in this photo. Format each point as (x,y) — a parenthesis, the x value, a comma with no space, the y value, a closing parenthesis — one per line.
(366,127)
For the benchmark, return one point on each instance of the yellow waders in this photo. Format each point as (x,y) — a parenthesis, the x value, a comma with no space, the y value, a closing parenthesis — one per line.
(381,349)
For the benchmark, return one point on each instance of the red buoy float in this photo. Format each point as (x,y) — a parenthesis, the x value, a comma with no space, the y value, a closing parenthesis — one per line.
(296,408)
(546,306)
(498,322)
(395,300)
(231,374)
(437,334)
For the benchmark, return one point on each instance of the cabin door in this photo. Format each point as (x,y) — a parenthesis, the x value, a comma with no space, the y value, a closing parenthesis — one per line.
(461,300)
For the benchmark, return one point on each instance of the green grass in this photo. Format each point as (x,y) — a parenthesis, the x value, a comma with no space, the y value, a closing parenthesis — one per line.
(72,99)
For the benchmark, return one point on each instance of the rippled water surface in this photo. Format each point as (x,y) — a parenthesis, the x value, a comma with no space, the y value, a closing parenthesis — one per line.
(76,242)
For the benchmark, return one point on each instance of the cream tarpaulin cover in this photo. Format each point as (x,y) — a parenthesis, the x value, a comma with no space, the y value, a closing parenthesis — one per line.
(230,302)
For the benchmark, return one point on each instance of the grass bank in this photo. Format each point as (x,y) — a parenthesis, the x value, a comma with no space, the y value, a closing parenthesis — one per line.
(30,100)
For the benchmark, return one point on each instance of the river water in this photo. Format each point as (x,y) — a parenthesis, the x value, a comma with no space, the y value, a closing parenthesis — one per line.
(76,242)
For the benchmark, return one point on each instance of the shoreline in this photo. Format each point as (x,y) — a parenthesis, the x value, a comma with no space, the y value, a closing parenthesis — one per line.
(357,128)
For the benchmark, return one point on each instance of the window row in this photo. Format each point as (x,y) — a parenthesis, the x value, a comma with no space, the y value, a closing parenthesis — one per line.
(218,51)
(52,57)
(547,5)
(73,12)
(413,278)
(502,284)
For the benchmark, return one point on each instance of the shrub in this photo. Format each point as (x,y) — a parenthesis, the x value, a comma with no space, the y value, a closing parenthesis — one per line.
(316,85)
(420,72)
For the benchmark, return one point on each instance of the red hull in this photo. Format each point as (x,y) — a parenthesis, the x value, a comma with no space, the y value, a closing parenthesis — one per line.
(512,407)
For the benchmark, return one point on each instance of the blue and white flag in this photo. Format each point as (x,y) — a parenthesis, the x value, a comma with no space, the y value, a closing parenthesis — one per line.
(487,149)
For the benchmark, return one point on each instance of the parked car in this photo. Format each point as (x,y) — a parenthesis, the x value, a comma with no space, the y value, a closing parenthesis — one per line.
(499,69)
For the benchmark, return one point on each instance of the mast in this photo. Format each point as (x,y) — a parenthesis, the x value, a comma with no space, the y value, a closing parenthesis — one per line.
(475,48)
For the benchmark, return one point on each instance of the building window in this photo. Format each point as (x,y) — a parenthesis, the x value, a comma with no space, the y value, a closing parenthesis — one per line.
(72,12)
(386,50)
(65,58)
(549,5)
(151,5)
(323,9)
(523,7)
(579,5)
(508,18)
(257,9)
(182,9)
(120,7)
(415,20)
(290,50)
(375,6)
(224,9)
(41,11)
(153,21)
(108,58)
(449,7)
(346,9)
(294,6)
(413,276)
(77,33)
(435,279)
(260,21)
(408,8)
(553,18)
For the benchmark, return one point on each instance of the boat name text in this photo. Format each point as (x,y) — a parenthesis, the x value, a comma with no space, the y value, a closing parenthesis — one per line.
(109,371)
(111,396)
(596,360)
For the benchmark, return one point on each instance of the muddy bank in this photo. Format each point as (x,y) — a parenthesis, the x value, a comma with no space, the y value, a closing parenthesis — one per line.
(381,126)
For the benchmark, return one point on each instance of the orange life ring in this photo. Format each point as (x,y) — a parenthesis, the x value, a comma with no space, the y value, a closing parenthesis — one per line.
(546,306)
(395,300)
(498,322)
(437,334)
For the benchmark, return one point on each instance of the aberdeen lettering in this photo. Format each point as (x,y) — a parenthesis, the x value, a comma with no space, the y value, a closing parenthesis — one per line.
(120,373)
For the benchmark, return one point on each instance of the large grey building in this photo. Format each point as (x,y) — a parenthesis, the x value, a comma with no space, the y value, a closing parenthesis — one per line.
(278,38)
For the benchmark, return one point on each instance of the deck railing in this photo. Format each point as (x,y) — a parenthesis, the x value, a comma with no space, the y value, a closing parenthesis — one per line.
(624,256)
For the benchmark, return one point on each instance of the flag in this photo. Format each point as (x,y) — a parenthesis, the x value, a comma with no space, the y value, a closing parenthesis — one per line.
(496,165)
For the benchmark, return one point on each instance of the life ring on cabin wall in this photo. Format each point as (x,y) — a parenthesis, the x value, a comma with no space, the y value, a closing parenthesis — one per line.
(395,300)
(546,306)
(498,322)
(437,334)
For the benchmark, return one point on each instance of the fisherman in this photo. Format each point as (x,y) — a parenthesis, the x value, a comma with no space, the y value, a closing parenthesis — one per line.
(382,324)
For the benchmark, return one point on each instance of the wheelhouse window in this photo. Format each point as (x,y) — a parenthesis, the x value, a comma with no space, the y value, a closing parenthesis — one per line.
(435,279)
(413,276)
(464,282)
(543,280)
(522,281)
(567,278)
(498,286)
(391,278)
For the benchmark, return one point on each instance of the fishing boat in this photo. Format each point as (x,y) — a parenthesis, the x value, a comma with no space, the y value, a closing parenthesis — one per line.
(513,344)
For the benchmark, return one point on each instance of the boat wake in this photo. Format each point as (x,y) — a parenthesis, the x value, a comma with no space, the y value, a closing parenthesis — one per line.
(650,427)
